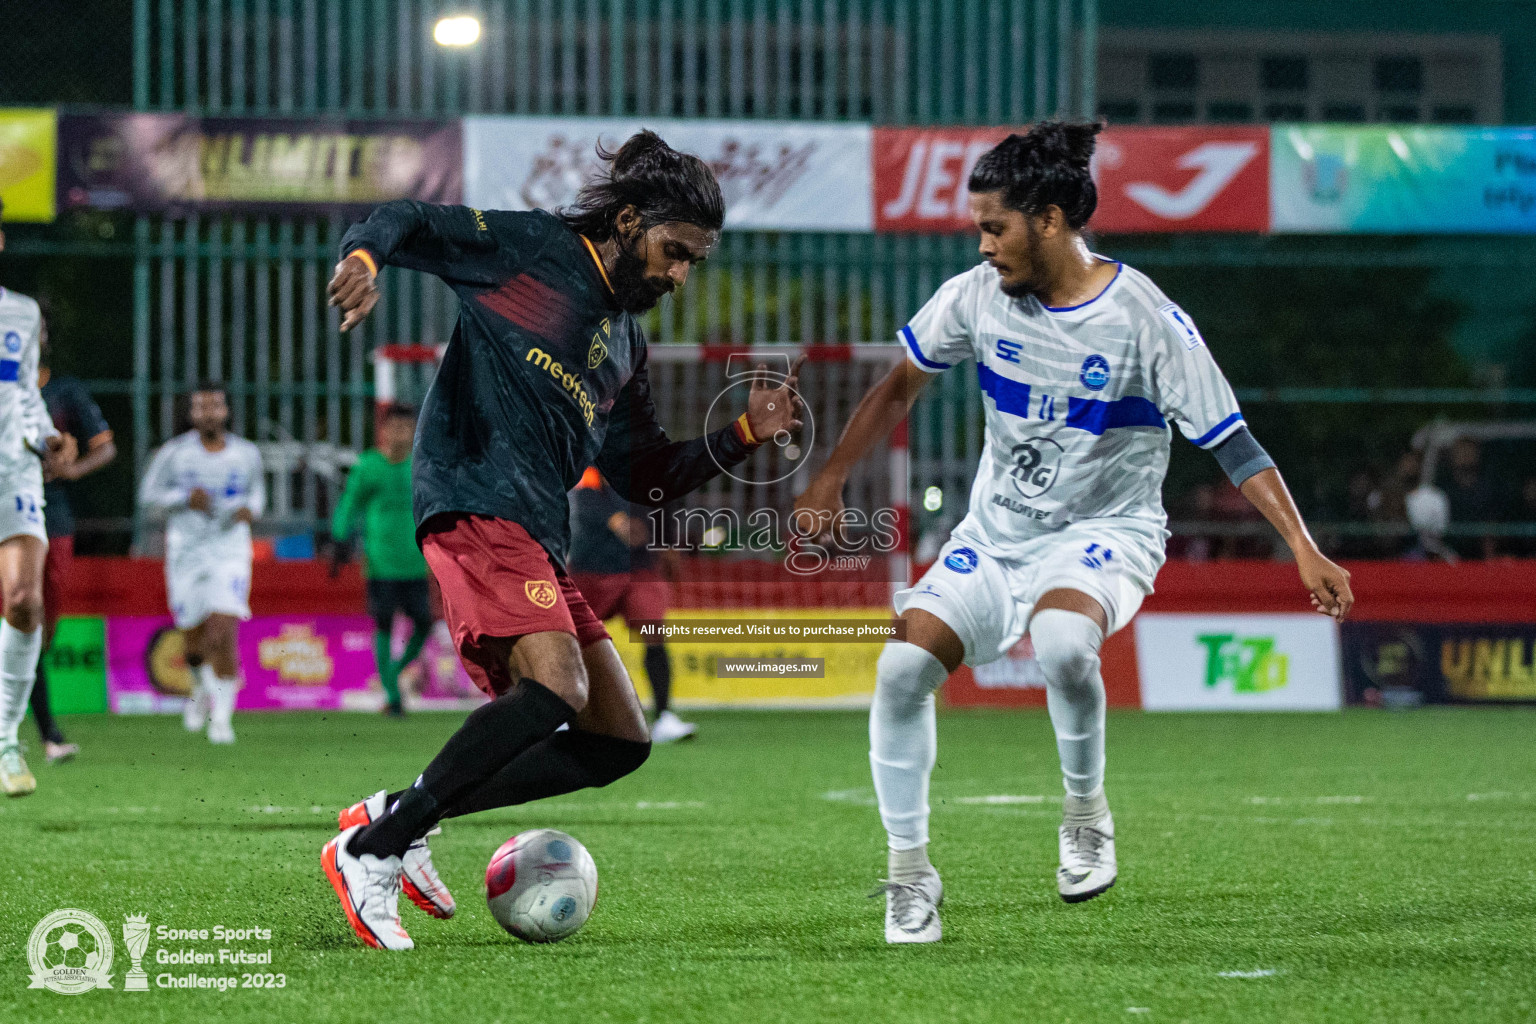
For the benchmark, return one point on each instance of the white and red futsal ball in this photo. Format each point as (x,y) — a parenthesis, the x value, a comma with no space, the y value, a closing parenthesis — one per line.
(541,885)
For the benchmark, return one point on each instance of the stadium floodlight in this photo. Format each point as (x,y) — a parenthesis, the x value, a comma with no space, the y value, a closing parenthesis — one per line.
(461,30)
(933,499)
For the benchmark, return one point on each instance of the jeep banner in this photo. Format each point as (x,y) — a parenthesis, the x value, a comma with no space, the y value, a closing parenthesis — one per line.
(776,176)
(1238,662)
(1150,179)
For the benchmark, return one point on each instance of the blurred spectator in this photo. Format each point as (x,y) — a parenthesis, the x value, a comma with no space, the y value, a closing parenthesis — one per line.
(1388,504)
(1195,506)
(1429,512)
(1471,495)
(1359,496)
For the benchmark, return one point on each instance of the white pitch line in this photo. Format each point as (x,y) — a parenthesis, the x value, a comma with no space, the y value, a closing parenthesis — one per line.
(1264,973)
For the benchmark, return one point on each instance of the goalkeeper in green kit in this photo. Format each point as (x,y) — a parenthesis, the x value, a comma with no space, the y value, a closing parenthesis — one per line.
(379,492)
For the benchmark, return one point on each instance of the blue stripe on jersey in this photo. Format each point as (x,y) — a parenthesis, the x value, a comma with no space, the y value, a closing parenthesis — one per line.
(1096,416)
(10,369)
(1011,396)
(1215,432)
(924,361)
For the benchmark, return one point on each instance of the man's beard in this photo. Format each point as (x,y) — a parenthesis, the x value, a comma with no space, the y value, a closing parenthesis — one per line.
(632,290)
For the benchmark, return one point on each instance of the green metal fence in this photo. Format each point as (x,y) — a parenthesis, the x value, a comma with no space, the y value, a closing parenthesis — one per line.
(243,298)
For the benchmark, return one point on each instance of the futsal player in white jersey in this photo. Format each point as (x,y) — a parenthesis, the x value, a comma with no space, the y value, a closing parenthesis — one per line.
(1084,364)
(209,483)
(27,440)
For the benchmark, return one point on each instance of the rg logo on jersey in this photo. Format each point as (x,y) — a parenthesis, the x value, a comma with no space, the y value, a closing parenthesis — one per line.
(1035,465)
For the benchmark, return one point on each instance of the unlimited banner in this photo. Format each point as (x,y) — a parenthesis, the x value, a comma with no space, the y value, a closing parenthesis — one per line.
(775,175)
(177,163)
(1149,179)
(1442,662)
(1331,179)
(27,157)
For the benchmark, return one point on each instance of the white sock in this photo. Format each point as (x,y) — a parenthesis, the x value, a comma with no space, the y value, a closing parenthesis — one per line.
(18,671)
(1067,648)
(903,740)
(221,696)
(907,865)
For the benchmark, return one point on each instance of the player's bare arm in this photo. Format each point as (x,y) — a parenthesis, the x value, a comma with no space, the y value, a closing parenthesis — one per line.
(1327,582)
(879,412)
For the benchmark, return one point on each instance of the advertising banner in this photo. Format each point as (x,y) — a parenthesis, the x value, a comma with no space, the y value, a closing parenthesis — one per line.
(290,663)
(177,163)
(1443,662)
(848,679)
(1016,681)
(1149,179)
(775,175)
(1403,180)
(1238,662)
(27,163)
(77,666)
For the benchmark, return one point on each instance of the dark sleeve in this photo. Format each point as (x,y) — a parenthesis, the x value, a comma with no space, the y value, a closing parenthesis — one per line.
(647,467)
(85,416)
(452,242)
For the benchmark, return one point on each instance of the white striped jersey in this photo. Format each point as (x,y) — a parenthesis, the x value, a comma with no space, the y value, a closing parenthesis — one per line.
(24,419)
(232,476)
(1078,400)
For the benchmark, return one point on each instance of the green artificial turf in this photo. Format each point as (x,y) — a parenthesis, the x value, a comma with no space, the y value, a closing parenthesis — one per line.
(1368,866)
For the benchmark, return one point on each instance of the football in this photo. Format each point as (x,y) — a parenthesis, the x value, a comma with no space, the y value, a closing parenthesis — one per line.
(541,885)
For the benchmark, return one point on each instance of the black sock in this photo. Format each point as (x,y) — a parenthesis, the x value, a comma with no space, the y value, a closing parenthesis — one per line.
(658,669)
(563,763)
(41,712)
(490,738)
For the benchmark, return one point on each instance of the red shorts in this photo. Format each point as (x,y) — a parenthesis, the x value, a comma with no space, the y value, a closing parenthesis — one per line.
(638,596)
(498,584)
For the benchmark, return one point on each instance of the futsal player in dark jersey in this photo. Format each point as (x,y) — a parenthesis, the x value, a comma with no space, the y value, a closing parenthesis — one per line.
(77,416)
(545,374)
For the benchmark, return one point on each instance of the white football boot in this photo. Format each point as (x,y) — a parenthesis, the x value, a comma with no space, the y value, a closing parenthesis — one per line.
(420,878)
(369,889)
(15,777)
(912,909)
(1087,860)
(194,713)
(668,728)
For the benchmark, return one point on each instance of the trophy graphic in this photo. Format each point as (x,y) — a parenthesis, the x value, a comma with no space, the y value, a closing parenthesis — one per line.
(136,937)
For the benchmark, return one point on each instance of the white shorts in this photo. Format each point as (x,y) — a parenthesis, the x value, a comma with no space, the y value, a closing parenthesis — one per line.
(21,514)
(988,601)
(222,588)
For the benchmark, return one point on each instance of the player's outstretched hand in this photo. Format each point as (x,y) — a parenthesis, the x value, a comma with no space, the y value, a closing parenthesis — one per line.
(353,291)
(1329,584)
(772,411)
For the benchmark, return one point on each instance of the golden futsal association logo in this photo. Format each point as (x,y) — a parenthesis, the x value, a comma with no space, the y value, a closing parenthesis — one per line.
(541,593)
(70,952)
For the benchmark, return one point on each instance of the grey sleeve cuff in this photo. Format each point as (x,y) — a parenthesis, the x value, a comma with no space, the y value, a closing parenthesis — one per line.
(1241,456)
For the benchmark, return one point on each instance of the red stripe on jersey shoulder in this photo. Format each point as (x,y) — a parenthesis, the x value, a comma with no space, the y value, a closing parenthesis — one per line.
(532,305)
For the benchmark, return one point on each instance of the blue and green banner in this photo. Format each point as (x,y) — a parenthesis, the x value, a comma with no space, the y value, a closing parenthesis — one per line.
(1400,180)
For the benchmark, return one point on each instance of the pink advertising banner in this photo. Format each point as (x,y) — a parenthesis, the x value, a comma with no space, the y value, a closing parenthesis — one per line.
(290,663)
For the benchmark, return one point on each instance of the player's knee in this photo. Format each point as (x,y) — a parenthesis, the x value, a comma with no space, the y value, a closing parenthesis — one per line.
(1066,647)
(906,675)
(610,758)
(24,606)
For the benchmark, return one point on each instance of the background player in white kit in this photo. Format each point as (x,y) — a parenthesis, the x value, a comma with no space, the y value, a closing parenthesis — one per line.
(27,439)
(1083,362)
(210,484)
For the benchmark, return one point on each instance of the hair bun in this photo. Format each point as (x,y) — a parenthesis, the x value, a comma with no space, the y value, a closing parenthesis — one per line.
(1071,142)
